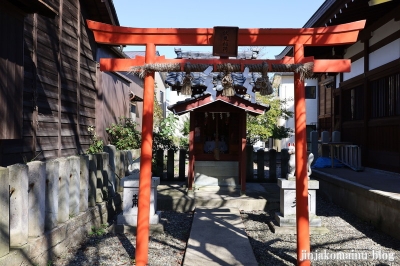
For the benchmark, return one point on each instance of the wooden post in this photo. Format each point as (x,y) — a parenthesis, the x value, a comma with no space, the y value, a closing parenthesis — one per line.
(302,219)
(182,165)
(260,166)
(242,167)
(142,239)
(272,165)
(191,153)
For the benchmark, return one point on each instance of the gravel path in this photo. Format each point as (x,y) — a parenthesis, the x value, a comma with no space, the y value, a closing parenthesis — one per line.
(347,234)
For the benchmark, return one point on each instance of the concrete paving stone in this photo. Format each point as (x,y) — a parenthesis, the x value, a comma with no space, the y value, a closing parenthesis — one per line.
(218,237)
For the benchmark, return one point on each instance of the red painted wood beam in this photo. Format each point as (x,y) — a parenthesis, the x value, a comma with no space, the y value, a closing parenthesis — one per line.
(322,36)
(302,222)
(143,224)
(320,65)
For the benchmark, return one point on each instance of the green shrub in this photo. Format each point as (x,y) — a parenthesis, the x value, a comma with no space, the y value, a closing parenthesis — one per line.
(124,135)
(96,144)
(99,231)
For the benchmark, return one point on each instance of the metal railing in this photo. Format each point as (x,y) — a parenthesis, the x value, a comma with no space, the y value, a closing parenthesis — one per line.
(349,155)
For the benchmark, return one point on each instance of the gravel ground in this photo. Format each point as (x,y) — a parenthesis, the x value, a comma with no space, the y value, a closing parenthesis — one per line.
(347,234)
(118,249)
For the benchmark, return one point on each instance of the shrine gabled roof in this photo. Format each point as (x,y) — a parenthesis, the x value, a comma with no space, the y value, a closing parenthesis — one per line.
(205,99)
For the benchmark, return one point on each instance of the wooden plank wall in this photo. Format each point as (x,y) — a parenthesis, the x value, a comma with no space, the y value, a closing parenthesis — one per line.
(59,91)
(11,72)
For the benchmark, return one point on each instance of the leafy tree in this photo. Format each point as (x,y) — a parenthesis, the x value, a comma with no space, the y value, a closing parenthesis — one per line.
(265,126)
(157,113)
(163,137)
(184,140)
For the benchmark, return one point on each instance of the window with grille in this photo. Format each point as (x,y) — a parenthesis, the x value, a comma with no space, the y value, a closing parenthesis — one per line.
(311,92)
(353,104)
(385,96)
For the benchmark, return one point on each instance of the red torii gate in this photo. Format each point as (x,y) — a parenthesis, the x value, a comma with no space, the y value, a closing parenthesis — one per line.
(151,37)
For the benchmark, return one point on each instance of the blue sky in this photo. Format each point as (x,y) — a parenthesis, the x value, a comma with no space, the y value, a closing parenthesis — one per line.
(210,13)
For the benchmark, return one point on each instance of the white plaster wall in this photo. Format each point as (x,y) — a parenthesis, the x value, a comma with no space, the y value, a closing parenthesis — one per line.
(337,81)
(377,58)
(354,49)
(385,54)
(160,87)
(172,97)
(357,68)
(286,91)
(384,31)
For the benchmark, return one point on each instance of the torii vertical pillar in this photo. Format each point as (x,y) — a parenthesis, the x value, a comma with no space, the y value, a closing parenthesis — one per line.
(143,225)
(302,219)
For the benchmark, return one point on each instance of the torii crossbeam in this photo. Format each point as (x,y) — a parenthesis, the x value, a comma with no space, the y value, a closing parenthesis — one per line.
(152,37)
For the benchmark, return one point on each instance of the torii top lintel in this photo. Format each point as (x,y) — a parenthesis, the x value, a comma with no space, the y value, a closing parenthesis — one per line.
(322,36)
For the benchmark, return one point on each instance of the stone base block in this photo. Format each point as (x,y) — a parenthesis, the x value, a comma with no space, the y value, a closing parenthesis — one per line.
(291,230)
(290,220)
(216,173)
(155,229)
(132,219)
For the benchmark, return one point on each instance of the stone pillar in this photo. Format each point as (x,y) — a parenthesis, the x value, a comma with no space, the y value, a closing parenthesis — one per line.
(325,148)
(63,190)
(287,215)
(84,183)
(99,186)
(102,176)
(36,201)
(111,150)
(336,136)
(272,165)
(4,207)
(122,163)
(74,185)
(284,162)
(18,174)
(182,165)
(51,194)
(314,144)
(170,164)
(107,185)
(160,163)
(126,162)
(249,163)
(260,166)
(325,137)
(92,182)
(130,202)
(119,170)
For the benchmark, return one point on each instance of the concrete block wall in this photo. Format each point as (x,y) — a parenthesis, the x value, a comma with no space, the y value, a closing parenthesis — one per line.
(379,208)
(48,206)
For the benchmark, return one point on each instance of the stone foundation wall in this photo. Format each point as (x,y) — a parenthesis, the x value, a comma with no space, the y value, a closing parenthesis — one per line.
(376,207)
(40,250)
(48,206)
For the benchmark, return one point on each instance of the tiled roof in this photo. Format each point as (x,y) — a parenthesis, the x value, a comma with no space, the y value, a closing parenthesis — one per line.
(200,100)
(174,79)
(133,54)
